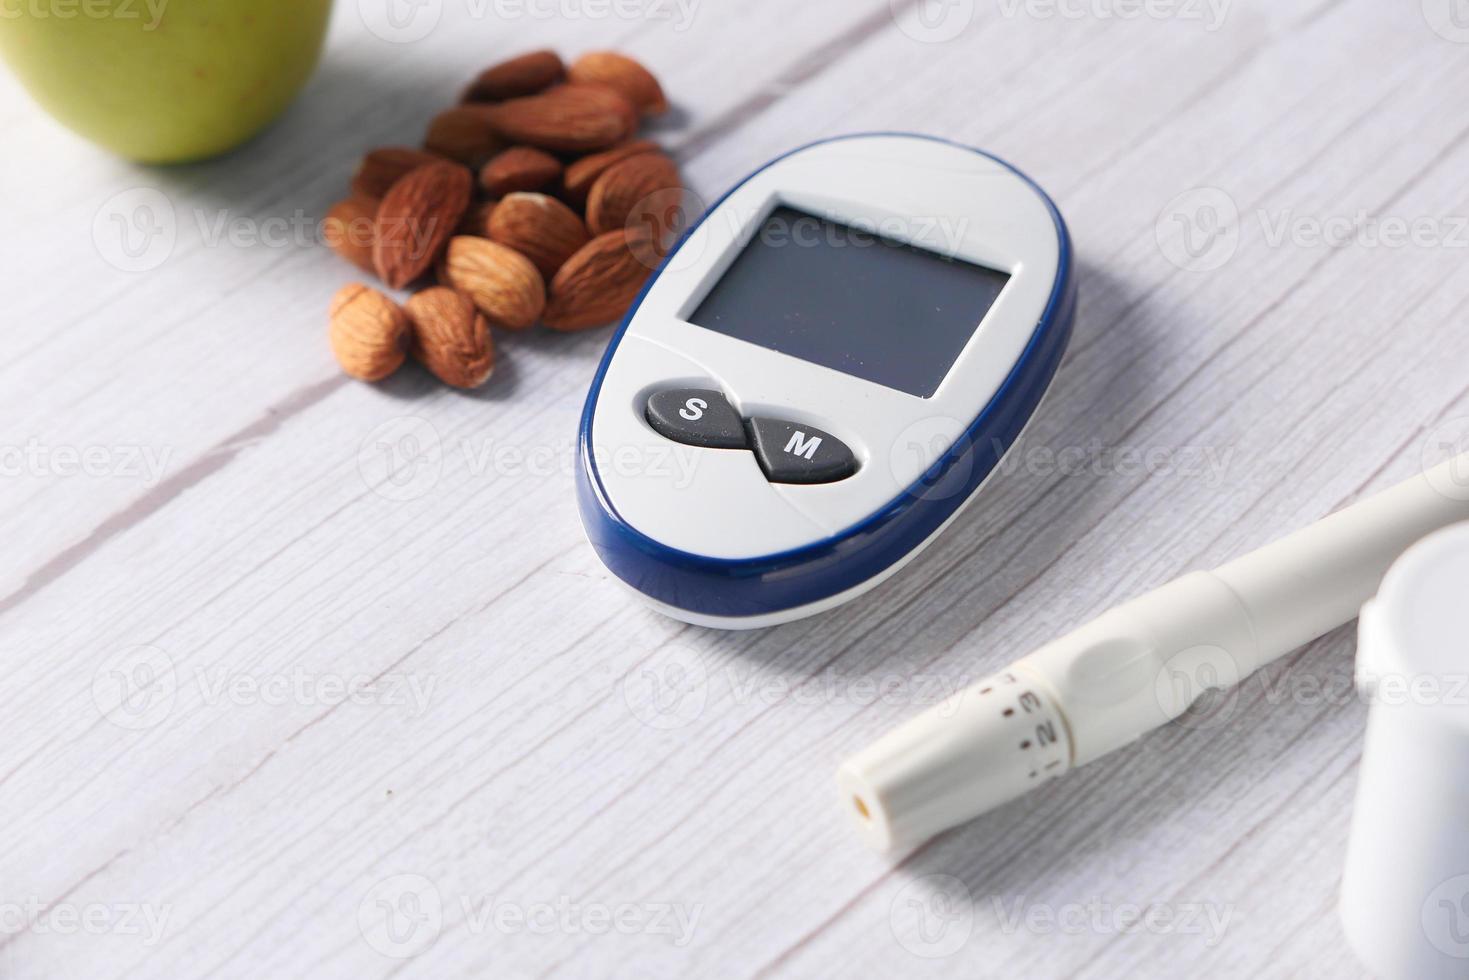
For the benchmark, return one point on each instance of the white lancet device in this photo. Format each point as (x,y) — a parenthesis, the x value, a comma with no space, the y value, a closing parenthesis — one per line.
(825,370)
(1140,666)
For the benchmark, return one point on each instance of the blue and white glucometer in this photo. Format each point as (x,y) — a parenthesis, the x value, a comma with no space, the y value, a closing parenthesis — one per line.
(821,375)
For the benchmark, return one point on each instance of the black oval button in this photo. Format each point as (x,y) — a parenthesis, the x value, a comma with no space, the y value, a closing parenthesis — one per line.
(793,453)
(697,417)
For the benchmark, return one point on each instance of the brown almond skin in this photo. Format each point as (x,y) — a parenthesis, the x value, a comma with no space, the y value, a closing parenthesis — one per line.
(621,195)
(450,337)
(526,75)
(612,99)
(462,134)
(581,175)
(539,227)
(596,285)
(416,220)
(565,119)
(384,167)
(476,220)
(520,168)
(504,285)
(626,75)
(350,228)
(368,332)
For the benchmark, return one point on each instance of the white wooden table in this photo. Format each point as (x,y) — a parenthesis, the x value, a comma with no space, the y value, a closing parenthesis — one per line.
(415,730)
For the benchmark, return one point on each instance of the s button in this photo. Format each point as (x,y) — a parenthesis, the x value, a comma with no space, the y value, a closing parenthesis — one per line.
(697,417)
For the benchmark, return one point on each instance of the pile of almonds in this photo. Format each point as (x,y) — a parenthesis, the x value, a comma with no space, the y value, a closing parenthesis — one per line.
(532,201)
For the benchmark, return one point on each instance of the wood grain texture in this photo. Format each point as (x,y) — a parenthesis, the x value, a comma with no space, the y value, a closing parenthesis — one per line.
(587,789)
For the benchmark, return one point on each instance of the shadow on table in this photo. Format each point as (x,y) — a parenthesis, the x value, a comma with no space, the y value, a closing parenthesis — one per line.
(1023,522)
(580,351)
(1192,790)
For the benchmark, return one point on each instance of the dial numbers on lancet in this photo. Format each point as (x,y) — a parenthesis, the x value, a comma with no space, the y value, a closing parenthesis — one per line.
(1039,733)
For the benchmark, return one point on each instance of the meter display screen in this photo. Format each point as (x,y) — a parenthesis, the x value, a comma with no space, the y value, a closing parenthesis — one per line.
(851,300)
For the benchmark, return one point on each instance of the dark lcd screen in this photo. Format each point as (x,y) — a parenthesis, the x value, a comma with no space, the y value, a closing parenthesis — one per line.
(851,300)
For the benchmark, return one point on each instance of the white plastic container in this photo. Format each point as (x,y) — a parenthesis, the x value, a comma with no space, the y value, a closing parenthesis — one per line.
(1405,890)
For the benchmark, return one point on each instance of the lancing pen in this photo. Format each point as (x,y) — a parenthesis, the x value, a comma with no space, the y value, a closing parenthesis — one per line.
(1137,667)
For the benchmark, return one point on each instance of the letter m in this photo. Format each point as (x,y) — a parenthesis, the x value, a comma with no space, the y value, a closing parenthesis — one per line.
(803,445)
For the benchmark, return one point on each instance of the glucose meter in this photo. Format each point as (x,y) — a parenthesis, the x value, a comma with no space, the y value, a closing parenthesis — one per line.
(824,371)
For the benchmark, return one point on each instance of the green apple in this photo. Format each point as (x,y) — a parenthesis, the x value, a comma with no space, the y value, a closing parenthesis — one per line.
(163,81)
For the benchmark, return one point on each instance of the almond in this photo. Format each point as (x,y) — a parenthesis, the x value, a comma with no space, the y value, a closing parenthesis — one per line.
(612,99)
(651,248)
(350,228)
(539,227)
(520,168)
(476,220)
(625,193)
(505,285)
(462,134)
(450,337)
(526,75)
(597,284)
(581,175)
(368,332)
(384,167)
(417,218)
(622,73)
(568,118)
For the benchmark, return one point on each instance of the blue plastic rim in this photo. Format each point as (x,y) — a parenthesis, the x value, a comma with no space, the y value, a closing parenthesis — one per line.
(725,588)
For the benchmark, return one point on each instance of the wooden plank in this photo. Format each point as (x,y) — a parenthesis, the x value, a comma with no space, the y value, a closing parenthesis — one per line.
(508,754)
(116,353)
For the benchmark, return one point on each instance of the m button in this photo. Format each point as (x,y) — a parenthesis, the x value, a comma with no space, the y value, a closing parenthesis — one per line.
(793,453)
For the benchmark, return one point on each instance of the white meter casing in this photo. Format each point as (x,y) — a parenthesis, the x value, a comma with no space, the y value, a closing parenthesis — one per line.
(823,372)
